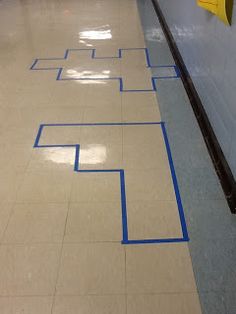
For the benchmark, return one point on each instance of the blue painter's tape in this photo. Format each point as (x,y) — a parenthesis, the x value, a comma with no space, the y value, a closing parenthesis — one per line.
(100,170)
(40,130)
(121,173)
(99,124)
(58,78)
(123,206)
(119,79)
(177,71)
(151,241)
(175,183)
(148,59)
(56,145)
(34,64)
(76,164)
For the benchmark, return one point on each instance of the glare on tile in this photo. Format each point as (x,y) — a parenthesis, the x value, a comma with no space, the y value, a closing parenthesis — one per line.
(96,34)
(92,77)
(86,44)
(58,156)
(93,154)
(73,73)
(95,82)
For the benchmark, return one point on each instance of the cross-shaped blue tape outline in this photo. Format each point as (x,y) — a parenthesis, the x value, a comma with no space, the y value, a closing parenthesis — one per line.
(119,79)
(121,172)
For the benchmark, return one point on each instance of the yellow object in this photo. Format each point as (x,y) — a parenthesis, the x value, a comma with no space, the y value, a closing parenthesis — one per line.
(222,8)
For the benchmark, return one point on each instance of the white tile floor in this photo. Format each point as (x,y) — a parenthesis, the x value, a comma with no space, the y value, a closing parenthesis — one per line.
(60,230)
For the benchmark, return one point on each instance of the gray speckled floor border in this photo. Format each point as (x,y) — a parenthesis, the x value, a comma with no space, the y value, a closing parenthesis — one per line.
(211,226)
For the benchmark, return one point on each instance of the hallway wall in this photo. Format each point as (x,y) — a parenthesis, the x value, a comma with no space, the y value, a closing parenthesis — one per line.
(208,48)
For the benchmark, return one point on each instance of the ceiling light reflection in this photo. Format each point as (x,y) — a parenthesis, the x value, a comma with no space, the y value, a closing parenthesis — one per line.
(100,33)
(88,77)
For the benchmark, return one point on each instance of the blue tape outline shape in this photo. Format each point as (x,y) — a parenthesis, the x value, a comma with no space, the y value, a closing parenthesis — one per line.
(119,79)
(121,172)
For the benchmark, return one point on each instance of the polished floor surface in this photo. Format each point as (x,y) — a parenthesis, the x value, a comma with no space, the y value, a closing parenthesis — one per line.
(91,217)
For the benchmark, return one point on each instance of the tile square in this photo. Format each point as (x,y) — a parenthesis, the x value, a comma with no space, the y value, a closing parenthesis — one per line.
(107,113)
(78,94)
(46,187)
(100,156)
(149,185)
(137,80)
(139,99)
(153,220)
(140,107)
(101,135)
(136,135)
(164,268)
(60,135)
(94,222)
(146,156)
(28,270)
(36,223)
(136,112)
(133,58)
(89,269)
(68,112)
(104,93)
(95,187)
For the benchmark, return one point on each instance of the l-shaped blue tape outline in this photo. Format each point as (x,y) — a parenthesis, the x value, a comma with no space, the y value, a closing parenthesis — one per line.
(121,172)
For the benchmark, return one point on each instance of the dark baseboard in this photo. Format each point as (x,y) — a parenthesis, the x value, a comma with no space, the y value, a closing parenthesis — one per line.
(221,165)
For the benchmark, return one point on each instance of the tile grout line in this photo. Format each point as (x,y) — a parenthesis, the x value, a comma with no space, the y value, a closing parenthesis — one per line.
(60,260)
(8,221)
(126,296)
